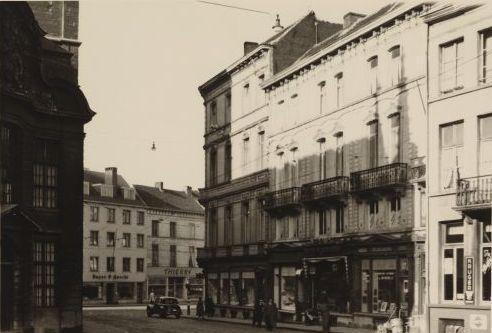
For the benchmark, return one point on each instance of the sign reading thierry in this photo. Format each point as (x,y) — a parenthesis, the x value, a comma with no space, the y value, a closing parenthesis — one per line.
(469,290)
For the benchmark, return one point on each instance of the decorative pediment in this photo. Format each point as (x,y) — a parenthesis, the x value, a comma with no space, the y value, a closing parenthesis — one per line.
(320,135)
(337,129)
(371,116)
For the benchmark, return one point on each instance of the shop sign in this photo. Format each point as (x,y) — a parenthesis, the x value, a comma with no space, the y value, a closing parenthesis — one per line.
(478,322)
(469,280)
(109,277)
(177,271)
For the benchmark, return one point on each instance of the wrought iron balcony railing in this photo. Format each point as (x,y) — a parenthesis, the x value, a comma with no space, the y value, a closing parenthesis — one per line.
(325,189)
(474,191)
(386,176)
(282,198)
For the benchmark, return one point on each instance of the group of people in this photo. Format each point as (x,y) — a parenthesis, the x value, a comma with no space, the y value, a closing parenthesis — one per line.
(266,313)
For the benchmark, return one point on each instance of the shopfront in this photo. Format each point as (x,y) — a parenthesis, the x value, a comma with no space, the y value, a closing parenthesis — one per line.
(179,282)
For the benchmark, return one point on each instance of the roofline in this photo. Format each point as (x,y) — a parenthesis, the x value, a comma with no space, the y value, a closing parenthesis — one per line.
(222,75)
(248,56)
(339,43)
(448,11)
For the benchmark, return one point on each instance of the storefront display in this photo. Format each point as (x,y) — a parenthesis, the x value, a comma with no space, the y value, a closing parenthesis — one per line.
(125,290)
(92,291)
(248,279)
(213,287)
(235,290)
(288,288)
(224,288)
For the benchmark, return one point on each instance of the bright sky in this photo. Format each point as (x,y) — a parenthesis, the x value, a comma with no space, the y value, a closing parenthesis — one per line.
(141,62)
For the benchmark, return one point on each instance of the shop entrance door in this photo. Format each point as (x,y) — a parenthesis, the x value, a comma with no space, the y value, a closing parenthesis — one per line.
(384,291)
(110,293)
(139,293)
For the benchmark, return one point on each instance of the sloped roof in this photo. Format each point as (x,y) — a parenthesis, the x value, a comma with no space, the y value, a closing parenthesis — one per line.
(168,199)
(97,177)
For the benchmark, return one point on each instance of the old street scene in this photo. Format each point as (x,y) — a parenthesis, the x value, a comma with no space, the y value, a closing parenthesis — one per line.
(242,166)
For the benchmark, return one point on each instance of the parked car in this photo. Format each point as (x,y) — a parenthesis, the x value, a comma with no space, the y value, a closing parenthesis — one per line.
(163,307)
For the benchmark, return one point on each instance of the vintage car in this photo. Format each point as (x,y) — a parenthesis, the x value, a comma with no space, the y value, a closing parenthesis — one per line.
(163,307)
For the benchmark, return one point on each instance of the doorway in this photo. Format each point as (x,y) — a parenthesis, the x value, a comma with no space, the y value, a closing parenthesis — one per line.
(139,293)
(110,293)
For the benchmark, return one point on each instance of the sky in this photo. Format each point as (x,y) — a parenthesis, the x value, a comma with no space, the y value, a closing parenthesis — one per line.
(141,62)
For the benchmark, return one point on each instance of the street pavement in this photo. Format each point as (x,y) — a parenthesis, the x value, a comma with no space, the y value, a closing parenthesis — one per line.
(133,319)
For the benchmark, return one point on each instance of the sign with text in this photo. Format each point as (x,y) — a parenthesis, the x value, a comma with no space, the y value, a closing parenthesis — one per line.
(469,280)
(109,277)
(478,322)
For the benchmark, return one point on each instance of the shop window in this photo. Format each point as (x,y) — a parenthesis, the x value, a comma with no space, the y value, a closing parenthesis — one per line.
(248,280)
(235,288)
(110,264)
(125,290)
(224,285)
(192,257)
(213,288)
(451,153)
(94,213)
(92,292)
(452,261)
(287,288)
(486,260)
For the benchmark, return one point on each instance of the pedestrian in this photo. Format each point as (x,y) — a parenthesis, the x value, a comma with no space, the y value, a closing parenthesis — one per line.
(152,297)
(258,313)
(324,308)
(199,309)
(270,315)
(209,307)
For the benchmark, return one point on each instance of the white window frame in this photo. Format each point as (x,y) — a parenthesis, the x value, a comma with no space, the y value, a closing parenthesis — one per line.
(454,247)
(456,63)
(484,74)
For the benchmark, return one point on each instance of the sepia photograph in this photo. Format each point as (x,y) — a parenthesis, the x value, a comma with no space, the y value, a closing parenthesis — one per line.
(245,166)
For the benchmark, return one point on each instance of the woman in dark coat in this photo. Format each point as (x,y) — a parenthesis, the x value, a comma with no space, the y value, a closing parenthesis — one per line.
(258,313)
(200,309)
(270,315)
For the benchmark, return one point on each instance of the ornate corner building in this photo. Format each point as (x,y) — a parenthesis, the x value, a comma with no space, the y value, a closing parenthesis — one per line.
(43,113)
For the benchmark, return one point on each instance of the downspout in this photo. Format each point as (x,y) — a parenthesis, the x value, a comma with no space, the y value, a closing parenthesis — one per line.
(427,248)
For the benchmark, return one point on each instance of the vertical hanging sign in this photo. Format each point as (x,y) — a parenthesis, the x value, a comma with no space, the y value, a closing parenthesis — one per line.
(469,289)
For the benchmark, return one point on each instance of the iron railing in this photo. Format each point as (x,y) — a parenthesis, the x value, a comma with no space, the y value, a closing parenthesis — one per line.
(325,189)
(380,177)
(282,198)
(474,191)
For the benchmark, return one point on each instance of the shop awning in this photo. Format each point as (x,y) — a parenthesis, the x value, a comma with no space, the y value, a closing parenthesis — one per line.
(325,259)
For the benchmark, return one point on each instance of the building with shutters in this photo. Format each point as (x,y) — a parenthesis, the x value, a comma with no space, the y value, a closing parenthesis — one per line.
(42,119)
(460,168)
(175,227)
(115,240)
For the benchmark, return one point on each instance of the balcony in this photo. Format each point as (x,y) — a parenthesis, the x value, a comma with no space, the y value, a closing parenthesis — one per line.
(474,193)
(330,189)
(386,177)
(282,201)
(207,253)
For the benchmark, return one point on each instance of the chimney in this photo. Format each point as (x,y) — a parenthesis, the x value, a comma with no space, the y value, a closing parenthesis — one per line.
(189,191)
(111,176)
(159,186)
(277,27)
(350,18)
(249,46)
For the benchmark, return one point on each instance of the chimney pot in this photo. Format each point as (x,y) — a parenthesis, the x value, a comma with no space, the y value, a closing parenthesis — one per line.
(159,186)
(350,18)
(111,176)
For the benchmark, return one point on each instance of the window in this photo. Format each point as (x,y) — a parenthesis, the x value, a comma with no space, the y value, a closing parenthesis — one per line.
(94,238)
(155,255)
(373,207)
(339,89)
(228,225)
(485,143)
(213,225)
(111,215)
(322,222)
(451,153)
(245,154)
(485,75)
(140,264)
(110,264)
(94,264)
(451,66)
(339,157)
(213,166)
(395,204)
(245,98)
(127,216)
(373,144)
(228,161)
(172,257)
(172,230)
(94,213)
(8,151)
(213,115)
(245,222)
(126,264)
(110,239)
(45,172)
(44,273)
(140,218)
(395,138)
(228,103)
(322,156)
(140,240)
(155,228)
(453,261)
(322,95)
(126,240)
(294,171)
(284,227)
(191,260)
(261,149)
(192,231)
(373,74)
(486,260)
(395,64)
(339,219)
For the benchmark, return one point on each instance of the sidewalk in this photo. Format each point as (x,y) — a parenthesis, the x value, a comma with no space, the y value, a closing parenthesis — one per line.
(289,326)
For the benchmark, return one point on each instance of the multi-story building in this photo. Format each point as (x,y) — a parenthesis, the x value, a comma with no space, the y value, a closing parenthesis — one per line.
(234,259)
(346,151)
(460,168)
(175,229)
(43,113)
(115,240)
